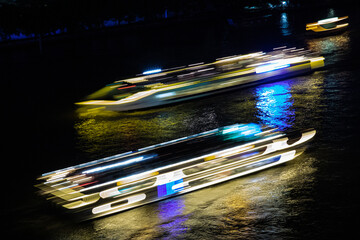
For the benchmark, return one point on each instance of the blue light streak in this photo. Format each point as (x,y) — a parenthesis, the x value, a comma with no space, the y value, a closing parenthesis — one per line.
(152,71)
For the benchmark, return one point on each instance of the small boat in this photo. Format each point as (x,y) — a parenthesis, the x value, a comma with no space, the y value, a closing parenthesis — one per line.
(127,180)
(159,87)
(327,26)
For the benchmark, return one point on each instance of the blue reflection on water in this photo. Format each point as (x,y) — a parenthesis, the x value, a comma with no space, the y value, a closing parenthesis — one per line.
(284,25)
(170,214)
(331,13)
(274,104)
(111,22)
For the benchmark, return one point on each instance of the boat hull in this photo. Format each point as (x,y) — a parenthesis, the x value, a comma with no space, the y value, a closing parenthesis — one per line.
(90,191)
(226,84)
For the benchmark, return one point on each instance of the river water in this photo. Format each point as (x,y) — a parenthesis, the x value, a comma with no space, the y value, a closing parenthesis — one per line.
(313,197)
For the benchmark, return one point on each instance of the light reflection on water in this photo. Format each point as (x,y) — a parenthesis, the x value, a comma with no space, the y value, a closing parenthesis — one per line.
(284,25)
(249,207)
(172,218)
(334,46)
(274,103)
(110,132)
(331,13)
(263,203)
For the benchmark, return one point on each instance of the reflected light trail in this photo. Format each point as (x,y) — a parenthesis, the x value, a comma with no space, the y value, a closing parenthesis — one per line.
(170,213)
(331,13)
(274,105)
(284,25)
(330,44)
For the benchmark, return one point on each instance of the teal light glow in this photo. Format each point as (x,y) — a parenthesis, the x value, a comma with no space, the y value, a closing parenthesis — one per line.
(241,131)
(164,95)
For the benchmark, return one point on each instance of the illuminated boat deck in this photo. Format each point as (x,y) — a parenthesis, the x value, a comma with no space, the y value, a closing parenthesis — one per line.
(158,87)
(163,170)
(327,25)
(170,152)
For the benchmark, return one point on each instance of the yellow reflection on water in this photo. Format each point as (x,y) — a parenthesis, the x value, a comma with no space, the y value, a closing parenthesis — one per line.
(241,207)
(329,44)
(308,98)
(111,132)
(105,133)
(267,197)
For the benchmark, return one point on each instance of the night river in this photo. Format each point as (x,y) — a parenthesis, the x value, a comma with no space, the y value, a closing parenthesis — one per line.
(312,197)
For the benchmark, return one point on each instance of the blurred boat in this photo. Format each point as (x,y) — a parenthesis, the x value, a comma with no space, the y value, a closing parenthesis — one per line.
(327,26)
(159,87)
(160,171)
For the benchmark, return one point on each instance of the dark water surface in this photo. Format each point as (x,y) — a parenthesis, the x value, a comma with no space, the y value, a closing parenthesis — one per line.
(313,197)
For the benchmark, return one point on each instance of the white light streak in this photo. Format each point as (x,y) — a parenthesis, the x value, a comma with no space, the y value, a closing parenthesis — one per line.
(328,20)
(98,169)
(152,71)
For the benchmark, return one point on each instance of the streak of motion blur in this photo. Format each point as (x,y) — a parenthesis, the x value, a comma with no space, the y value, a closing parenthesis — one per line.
(159,87)
(156,172)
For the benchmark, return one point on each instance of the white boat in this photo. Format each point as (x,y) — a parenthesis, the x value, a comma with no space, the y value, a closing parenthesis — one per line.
(164,170)
(160,87)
